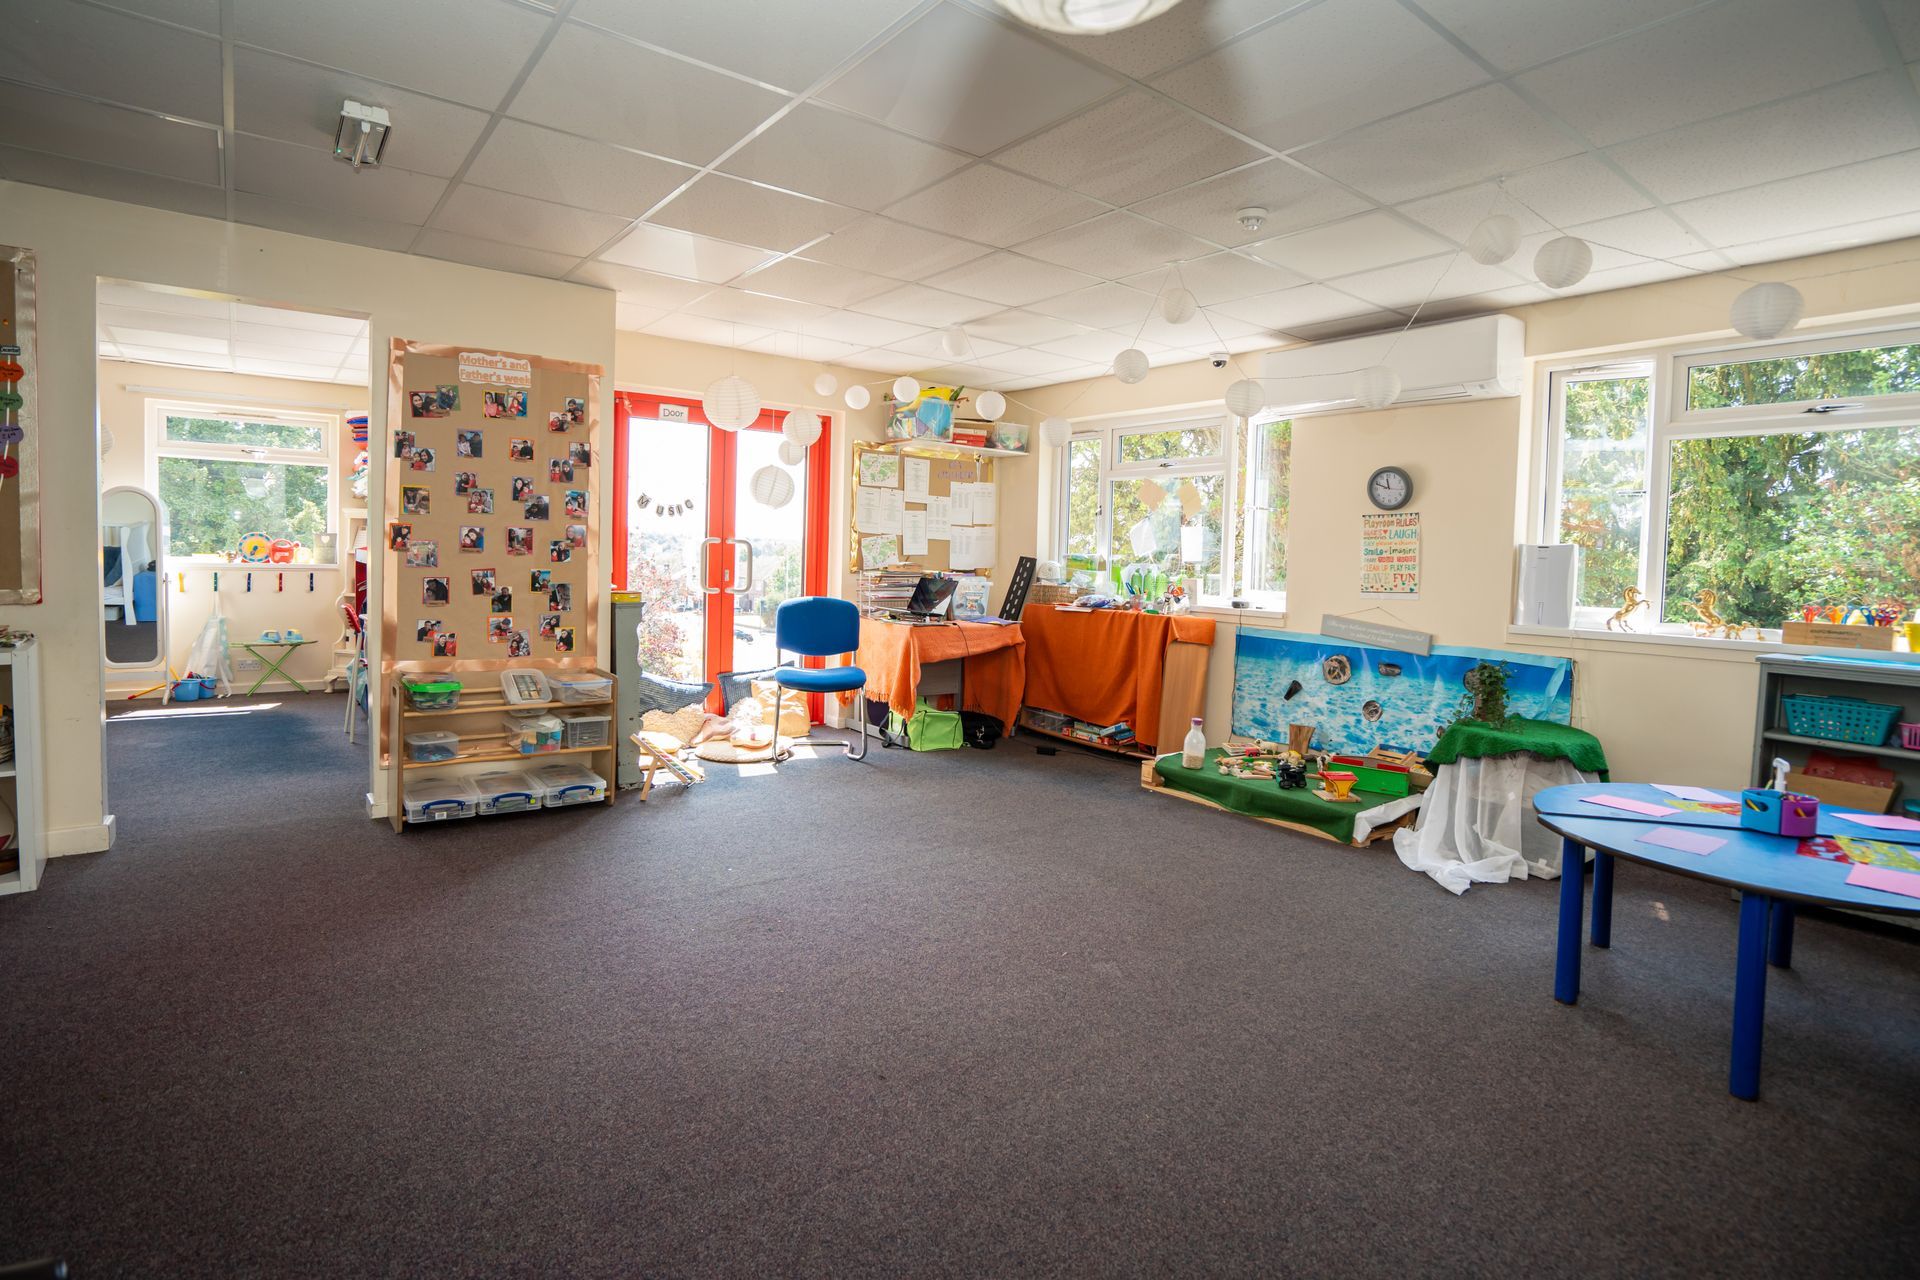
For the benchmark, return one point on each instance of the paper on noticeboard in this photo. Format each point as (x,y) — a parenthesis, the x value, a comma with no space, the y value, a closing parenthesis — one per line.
(879,552)
(913,533)
(878,510)
(973,548)
(919,472)
(881,470)
(940,518)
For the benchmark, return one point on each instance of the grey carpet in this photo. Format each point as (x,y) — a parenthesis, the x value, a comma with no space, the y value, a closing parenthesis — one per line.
(977,1013)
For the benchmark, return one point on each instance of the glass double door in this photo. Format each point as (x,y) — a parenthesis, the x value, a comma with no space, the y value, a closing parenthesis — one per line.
(711,559)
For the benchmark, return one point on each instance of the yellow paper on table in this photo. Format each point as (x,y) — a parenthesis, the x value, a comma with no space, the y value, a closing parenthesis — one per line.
(793,708)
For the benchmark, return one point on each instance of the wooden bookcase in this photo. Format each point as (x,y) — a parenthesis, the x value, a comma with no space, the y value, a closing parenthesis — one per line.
(20,776)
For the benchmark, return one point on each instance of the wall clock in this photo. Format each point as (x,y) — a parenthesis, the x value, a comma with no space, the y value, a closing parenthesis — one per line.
(1390,488)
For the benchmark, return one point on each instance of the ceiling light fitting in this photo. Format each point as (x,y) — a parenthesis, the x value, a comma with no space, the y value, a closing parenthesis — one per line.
(1251,218)
(361,137)
(1085,17)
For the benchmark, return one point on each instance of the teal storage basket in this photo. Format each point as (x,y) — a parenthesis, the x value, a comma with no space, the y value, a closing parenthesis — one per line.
(1814,715)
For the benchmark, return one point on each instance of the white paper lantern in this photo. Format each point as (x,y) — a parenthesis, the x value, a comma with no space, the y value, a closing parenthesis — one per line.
(1768,310)
(1496,239)
(731,403)
(954,342)
(1085,17)
(990,405)
(792,454)
(771,487)
(1376,388)
(1563,262)
(802,426)
(825,385)
(906,390)
(1131,365)
(1179,306)
(858,397)
(1055,431)
(1246,398)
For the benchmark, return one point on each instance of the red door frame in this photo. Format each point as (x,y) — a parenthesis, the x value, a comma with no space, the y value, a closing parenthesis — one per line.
(722,476)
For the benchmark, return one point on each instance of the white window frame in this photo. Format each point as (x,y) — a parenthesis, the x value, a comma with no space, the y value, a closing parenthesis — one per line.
(158,447)
(1226,464)
(1671,420)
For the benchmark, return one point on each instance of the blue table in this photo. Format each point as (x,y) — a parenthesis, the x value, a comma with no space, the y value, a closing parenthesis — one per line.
(1768,870)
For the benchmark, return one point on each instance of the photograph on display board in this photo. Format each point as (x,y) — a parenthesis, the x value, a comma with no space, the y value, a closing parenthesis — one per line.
(560,597)
(399,533)
(577,536)
(559,551)
(563,640)
(540,579)
(470,443)
(519,540)
(423,553)
(537,508)
(436,590)
(473,537)
(483,582)
(416,500)
(576,502)
(498,629)
(580,453)
(501,600)
(518,645)
(426,628)
(504,404)
(523,488)
(479,502)
(445,645)
(549,624)
(560,470)
(576,410)
(421,459)
(519,449)
(403,442)
(557,421)
(463,482)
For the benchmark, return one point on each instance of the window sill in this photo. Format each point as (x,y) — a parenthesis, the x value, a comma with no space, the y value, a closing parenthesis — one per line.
(241,566)
(1252,616)
(1681,645)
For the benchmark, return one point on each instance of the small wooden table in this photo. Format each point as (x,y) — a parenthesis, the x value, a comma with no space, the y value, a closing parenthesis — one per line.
(273,667)
(993,664)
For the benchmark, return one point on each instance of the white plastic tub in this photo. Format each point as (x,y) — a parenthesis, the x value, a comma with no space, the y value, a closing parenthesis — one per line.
(589,730)
(588,686)
(566,784)
(441,799)
(432,746)
(530,734)
(506,791)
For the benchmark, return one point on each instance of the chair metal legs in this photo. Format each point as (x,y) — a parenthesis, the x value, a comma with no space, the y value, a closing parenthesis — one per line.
(861,716)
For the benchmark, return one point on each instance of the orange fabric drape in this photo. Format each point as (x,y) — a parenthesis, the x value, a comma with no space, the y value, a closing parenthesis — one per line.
(1106,665)
(993,674)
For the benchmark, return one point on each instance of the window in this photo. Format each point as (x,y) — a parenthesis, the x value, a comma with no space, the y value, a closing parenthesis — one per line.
(1202,502)
(225,474)
(1771,478)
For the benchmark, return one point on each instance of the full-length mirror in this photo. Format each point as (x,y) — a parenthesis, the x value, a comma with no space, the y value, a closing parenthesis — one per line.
(133,596)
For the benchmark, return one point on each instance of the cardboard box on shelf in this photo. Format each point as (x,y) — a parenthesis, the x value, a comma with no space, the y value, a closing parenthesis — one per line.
(1846,795)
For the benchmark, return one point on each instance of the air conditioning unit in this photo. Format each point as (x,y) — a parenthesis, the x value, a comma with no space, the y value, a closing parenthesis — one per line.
(1477,359)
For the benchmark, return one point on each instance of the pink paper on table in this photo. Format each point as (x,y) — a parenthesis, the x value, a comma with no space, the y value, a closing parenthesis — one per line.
(1632,806)
(1906,883)
(1701,794)
(1681,839)
(1884,821)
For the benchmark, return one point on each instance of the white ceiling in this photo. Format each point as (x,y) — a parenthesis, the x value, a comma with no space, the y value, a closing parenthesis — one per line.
(199,331)
(838,180)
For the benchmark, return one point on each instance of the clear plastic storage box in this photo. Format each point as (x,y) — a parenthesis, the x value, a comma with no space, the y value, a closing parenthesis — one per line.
(565,784)
(427,693)
(588,686)
(534,733)
(589,730)
(432,746)
(506,791)
(439,799)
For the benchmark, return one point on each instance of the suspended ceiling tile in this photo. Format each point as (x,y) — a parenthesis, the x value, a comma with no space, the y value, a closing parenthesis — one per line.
(743,213)
(634,316)
(1028,363)
(518,220)
(1101,306)
(788,44)
(680,253)
(1023,328)
(1651,233)
(1816,201)
(871,331)
(1095,346)
(1874,231)
(1371,240)
(87,131)
(820,282)
(841,157)
(1705,63)
(993,205)
(1307,304)
(1859,120)
(201,15)
(493,255)
(1183,32)
(283,369)
(1480,304)
(758,310)
(1221,277)
(527,160)
(1406,285)
(1128,149)
(276,97)
(933,346)
(893,249)
(1479,134)
(464,50)
(968,82)
(176,358)
(804,346)
(886,360)
(1576,189)
(354,327)
(322,224)
(58,44)
(139,297)
(112,184)
(602,87)
(1322,70)
(312,344)
(1205,332)
(919,304)
(665,293)
(1118,244)
(1516,34)
(1903,18)
(1357,325)
(714,333)
(1293,198)
(173,338)
(1010,279)
(302,175)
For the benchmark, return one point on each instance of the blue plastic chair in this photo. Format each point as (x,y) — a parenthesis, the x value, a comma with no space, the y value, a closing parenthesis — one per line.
(818,627)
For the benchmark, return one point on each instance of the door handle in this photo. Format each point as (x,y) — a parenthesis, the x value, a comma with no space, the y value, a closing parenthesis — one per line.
(706,543)
(743,590)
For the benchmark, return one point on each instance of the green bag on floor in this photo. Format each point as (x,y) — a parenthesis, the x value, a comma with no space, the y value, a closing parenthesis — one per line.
(930,729)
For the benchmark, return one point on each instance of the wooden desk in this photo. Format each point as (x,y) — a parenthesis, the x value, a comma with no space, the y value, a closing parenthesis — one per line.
(993,663)
(1108,665)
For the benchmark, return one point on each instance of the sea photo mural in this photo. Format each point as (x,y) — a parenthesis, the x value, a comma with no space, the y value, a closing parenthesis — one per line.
(1358,697)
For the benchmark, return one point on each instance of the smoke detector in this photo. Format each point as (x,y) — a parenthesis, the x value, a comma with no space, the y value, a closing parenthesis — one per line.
(1251,218)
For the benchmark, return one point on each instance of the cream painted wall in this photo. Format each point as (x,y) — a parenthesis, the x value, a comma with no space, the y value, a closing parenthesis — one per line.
(79,239)
(1666,712)
(313,614)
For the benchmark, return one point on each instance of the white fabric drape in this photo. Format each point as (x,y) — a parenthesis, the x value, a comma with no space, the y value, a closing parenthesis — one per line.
(1477,824)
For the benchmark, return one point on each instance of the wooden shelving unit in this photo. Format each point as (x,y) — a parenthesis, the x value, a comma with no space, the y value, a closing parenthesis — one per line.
(1127,753)
(483,700)
(20,777)
(927,445)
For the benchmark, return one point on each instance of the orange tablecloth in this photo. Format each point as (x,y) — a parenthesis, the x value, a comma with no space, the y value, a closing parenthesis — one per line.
(992,674)
(1105,665)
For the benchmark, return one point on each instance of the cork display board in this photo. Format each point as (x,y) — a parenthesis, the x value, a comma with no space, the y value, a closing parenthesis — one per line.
(491,525)
(19,431)
(931,507)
